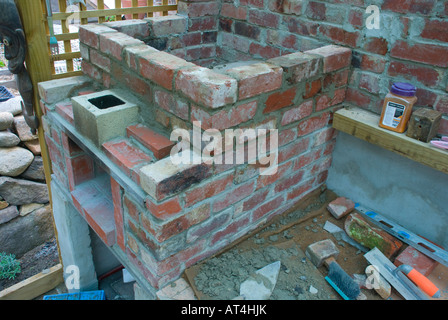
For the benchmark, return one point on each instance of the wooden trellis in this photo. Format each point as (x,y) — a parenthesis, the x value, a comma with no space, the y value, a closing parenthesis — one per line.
(99,15)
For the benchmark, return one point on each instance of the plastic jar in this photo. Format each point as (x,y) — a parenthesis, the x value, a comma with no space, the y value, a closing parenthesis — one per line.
(397,107)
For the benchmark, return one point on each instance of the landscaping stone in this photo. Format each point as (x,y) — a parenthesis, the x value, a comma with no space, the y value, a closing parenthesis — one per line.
(8,214)
(18,191)
(23,130)
(8,139)
(361,231)
(28,208)
(12,105)
(14,161)
(6,119)
(37,227)
(35,171)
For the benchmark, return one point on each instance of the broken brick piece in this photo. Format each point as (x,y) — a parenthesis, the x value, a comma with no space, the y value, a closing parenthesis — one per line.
(341,207)
(419,261)
(362,232)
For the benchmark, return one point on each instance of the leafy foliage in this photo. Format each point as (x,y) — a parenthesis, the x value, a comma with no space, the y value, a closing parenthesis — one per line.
(9,266)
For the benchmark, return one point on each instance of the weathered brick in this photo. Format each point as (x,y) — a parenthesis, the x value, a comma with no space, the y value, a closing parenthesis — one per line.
(89,34)
(334,57)
(198,9)
(426,75)
(224,119)
(157,143)
(340,36)
(79,169)
(160,67)
(164,177)
(126,156)
(166,25)
(266,52)
(297,113)
(286,6)
(131,53)
(116,191)
(425,53)
(100,60)
(231,229)
(231,11)
(247,30)
(164,210)
(171,103)
(135,28)
(417,260)
(263,18)
(340,207)
(325,101)
(206,87)
(233,196)
(65,110)
(280,99)
(113,43)
(297,66)
(314,123)
(361,231)
(208,190)
(256,78)
(267,208)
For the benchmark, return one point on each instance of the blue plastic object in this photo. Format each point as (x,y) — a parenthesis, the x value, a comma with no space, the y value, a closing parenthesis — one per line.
(5,95)
(87,295)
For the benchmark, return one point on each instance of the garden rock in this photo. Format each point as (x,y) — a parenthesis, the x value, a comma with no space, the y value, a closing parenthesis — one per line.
(12,105)
(8,214)
(14,161)
(35,171)
(36,226)
(8,139)
(18,191)
(23,129)
(6,119)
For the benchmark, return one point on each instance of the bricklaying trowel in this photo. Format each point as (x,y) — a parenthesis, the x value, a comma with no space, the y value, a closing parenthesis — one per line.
(260,284)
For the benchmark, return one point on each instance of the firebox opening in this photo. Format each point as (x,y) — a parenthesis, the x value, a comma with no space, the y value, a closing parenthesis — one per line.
(105,102)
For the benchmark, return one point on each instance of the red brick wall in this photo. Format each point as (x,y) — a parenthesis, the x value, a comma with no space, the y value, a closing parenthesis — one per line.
(411,44)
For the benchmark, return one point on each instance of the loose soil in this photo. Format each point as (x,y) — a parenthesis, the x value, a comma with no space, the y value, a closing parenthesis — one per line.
(286,239)
(33,262)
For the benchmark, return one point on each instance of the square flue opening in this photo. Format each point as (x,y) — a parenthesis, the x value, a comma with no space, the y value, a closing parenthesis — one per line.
(105,102)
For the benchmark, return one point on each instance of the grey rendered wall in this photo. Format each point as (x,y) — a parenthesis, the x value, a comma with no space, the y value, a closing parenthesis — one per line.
(413,195)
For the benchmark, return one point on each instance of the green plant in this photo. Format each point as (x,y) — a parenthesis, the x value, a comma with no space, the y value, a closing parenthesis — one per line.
(9,266)
(2,64)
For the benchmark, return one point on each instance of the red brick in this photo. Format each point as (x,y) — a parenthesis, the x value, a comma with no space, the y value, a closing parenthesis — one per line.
(124,155)
(282,39)
(373,63)
(417,260)
(300,190)
(316,10)
(376,45)
(252,3)
(307,158)
(165,209)
(267,180)
(443,127)
(436,30)
(171,103)
(266,52)
(79,169)
(427,76)
(208,190)
(289,181)
(286,6)
(114,43)
(233,196)
(297,113)
(256,78)
(89,34)
(158,144)
(117,191)
(291,150)
(312,88)
(361,231)
(314,123)
(335,57)
(425,53)
(299,26)
(409,6)
(369,82)
(132,81)
(280,100)
(337,79)
(160,67)
(65,110)
(132,209)
(357,98)
(263,18)
(198,9)
(224,119)
(229,10)
(232,229)
(355,18)
(340,207)
(100,60)
(203,23)
(91,70)
(70,148)
(340,36)
(267,208)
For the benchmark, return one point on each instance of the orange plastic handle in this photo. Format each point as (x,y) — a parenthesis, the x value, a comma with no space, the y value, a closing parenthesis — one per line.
(424,283)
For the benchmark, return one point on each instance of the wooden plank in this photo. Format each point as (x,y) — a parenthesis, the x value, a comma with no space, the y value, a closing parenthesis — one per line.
(117,6)
(165,2)
(65,29)
(65,36)
(150,4)
(135,5)
(364,125)
(100,6)
(112,12)
(34,286)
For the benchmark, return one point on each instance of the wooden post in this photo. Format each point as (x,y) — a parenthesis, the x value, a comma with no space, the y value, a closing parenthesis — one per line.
(39,68)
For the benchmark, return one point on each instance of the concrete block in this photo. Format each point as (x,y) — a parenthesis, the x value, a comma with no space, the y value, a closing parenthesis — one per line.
(114,111)
(321,250)
(59,89)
